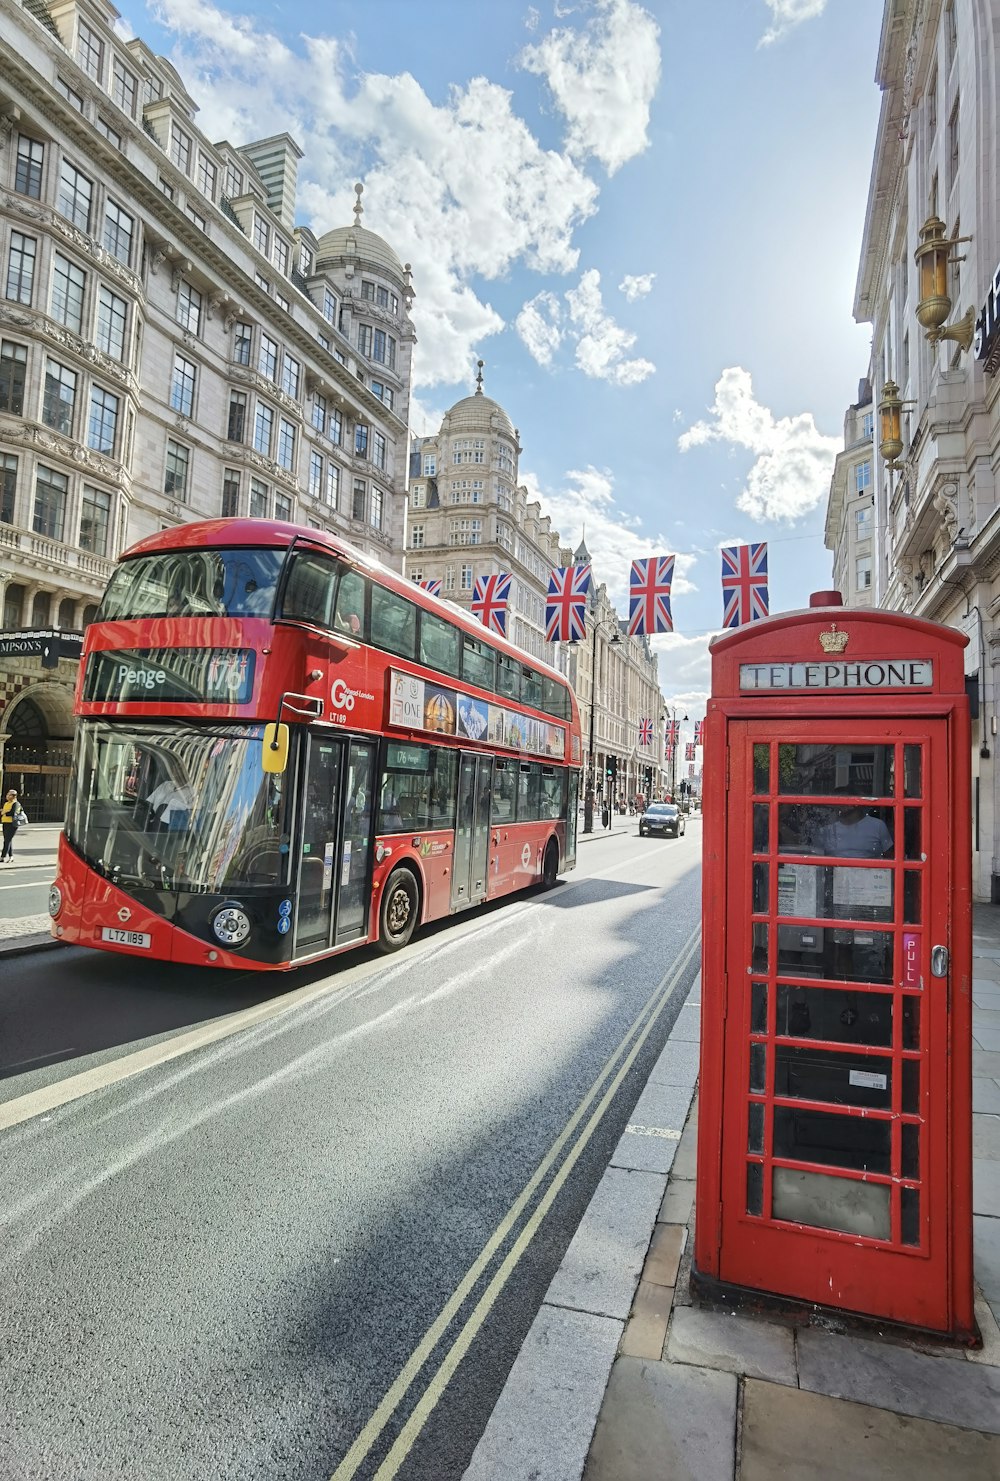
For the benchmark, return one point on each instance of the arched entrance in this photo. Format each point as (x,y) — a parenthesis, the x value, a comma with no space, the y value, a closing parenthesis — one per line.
(36,747)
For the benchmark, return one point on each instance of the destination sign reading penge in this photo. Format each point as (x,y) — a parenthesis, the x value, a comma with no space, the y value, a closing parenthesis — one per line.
(874,673)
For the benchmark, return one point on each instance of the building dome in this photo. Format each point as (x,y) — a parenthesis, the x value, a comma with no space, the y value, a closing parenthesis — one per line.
(476,414)
(358,242)
(479,413)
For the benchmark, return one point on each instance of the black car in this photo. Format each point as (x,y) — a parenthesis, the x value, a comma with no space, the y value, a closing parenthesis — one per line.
(662,817)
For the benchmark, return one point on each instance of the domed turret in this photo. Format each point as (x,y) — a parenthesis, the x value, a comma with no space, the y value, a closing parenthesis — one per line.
(479,413)
(357,243)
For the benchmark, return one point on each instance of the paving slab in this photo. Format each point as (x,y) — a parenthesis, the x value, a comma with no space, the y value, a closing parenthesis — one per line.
(986,1186)
(895,1378)
(985,1035)
(688,1025)
(678,1201)
(678,1065)
(685,1163)
(645,1149)
(663,1107)
(983,1063)
(809,1437)
(664,1256)
(544,1419)
(664,1422)
(986,1136)
(989,1330)
(601,1268)
(738,1344)
(646,1328)
(986,1247)
(985,1095)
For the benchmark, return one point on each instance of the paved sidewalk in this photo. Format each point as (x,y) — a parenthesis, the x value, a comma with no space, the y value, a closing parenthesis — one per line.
(34,847)
(624,1378)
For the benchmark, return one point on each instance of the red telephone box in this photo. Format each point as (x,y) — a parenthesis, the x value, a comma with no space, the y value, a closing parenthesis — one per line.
(835,1120)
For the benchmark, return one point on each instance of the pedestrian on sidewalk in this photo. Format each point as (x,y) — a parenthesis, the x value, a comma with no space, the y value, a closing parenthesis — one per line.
(12,817)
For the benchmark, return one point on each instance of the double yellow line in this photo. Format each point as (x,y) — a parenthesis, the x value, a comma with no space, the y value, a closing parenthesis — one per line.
(635,1036)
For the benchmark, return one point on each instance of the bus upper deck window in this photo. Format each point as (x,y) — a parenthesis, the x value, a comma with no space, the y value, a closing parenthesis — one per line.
(309,593)
(349,617)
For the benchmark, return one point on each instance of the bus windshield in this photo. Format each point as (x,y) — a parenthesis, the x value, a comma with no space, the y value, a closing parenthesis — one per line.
(194,583)
(168,806)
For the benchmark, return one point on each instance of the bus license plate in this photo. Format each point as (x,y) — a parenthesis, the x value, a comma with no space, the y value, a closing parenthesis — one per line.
(126,938)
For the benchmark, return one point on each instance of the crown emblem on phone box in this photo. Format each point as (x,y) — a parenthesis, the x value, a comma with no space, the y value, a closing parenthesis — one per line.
(833,641)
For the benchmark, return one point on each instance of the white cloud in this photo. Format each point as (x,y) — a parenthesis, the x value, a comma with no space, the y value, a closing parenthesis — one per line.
(794,460)
(585,508)
(636,285)
(538,324)
(600,345)
(787,14)
(603,80)
(462,189)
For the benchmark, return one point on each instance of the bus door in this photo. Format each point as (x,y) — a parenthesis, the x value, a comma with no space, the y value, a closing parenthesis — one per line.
(472,831)
(355,886)
(334,843)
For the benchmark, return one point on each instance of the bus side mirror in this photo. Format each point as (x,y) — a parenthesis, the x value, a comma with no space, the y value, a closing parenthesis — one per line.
(275,743)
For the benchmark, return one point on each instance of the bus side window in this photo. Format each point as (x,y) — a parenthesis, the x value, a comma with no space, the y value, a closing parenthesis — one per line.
(531,688)
(349,617)
(394,622)
(504,793)
(529,779)
(508,677)
(309,589)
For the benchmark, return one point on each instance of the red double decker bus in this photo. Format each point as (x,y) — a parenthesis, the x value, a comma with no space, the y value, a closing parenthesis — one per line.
(285,749)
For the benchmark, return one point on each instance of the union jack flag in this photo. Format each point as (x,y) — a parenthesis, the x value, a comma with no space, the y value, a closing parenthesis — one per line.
(689,751)
(673,731)
(489,601)
(744,583)
(670,751)
(699,730)
(566,605)
(432,584)
(649,595)
(645,732)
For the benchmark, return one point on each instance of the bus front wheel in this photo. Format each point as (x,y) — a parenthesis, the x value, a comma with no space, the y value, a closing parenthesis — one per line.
(400,906)
(550,865)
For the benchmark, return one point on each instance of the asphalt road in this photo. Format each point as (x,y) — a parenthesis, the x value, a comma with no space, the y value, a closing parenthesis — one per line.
(254,1259)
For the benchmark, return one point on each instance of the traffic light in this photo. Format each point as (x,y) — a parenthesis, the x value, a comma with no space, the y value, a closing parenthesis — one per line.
(612,768)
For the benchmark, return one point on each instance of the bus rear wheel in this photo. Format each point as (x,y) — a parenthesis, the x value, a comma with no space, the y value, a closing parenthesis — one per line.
(550,866)
(399,910)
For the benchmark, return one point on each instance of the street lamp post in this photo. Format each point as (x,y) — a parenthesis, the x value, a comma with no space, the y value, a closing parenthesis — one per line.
(674,747)
(588,800)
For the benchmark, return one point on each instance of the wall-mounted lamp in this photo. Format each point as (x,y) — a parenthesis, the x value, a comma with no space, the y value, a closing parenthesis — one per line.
(932,258)
(890,424)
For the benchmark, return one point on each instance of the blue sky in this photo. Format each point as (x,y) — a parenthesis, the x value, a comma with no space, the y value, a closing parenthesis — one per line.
(644,217)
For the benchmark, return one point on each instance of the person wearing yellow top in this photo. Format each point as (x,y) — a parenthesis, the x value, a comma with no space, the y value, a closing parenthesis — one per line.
(11,817)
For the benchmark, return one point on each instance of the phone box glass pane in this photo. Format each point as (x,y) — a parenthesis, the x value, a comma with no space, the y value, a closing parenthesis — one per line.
(856,1142)
(840,1079)
(838,1016)
(826,1202)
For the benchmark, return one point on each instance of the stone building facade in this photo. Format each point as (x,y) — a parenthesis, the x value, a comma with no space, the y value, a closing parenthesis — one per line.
(850,510)
(469,517)
(174,347)
(937,512)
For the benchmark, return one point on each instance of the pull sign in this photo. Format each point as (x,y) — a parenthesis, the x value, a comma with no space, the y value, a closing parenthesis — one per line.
(939,961)
(911,959)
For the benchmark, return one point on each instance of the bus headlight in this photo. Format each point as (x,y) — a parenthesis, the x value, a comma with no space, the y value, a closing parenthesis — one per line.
(231,924)
(55,900)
